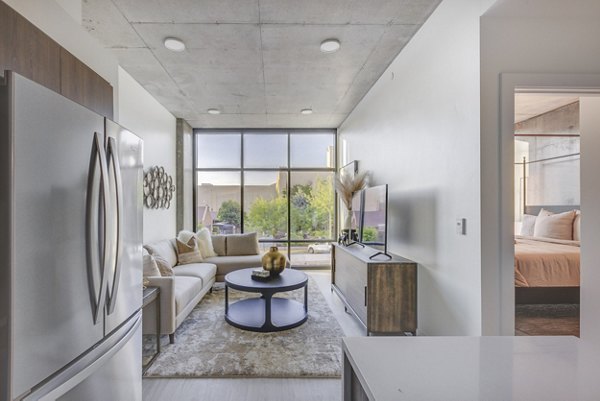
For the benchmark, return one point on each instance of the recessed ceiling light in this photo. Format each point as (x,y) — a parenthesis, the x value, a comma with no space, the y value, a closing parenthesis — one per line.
(306,111)
(213,111)
(330,45)
(174,44)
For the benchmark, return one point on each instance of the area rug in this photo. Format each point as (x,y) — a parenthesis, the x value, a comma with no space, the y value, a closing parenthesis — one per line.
(207,346)
(547,319)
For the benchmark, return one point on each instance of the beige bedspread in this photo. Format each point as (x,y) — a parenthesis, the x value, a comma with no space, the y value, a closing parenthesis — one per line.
(546,262)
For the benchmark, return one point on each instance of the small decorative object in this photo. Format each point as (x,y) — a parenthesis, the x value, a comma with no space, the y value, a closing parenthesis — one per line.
(346,185)
(158,188)
(274,261)
(261,274)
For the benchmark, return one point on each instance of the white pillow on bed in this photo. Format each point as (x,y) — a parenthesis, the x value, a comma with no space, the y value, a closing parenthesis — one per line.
(577,226)
(528,225)
(557,226)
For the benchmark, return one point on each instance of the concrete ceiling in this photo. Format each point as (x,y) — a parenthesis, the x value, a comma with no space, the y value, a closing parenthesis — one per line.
(529,105)
(257,61)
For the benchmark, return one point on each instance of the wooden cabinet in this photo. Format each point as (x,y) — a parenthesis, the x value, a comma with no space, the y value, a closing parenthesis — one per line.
(28,51)
(382,294)
(81,84)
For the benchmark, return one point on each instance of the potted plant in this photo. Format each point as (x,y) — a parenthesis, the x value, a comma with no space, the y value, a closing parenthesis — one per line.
(346,185)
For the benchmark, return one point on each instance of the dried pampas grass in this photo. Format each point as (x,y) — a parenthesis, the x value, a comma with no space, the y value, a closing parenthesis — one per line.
(346,185)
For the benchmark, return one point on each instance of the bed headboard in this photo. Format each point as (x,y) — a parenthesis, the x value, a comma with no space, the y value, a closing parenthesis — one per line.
(535,209)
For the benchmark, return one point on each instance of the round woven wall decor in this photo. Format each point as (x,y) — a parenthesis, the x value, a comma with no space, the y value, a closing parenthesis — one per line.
(158,188)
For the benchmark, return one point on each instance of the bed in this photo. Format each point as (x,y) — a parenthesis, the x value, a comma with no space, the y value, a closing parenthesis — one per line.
(546,270)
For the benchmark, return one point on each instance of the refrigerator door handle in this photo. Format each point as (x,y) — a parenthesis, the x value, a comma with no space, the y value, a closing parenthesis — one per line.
(97,187)
(113,159)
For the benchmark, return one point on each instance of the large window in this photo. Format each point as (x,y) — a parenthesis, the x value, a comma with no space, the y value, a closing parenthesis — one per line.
(278,183)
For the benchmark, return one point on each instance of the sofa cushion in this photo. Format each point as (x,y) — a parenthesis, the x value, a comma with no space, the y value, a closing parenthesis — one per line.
(186,288)
(204,271)
(205,243)
(242,244)
(227,264)
(219,244)
(164,267)
(150,266)
(164,248)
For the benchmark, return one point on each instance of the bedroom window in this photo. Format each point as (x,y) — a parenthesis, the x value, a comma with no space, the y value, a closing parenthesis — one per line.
(278,183)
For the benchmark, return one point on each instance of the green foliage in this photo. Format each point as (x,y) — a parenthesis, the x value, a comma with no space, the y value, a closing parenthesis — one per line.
(268,217)
(312,209)
(369,234)
(230,212)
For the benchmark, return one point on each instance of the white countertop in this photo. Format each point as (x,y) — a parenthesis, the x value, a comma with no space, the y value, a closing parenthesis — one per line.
(476,368)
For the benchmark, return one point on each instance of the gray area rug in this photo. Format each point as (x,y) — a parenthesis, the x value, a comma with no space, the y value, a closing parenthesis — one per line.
(207,346)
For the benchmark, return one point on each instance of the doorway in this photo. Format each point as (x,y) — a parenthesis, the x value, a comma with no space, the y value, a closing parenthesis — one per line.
(547,214)
(587,87)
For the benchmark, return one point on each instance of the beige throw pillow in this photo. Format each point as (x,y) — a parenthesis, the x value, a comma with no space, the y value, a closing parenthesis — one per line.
(188,252)
(577,226)
(163,266)
(150,266)
(242,244)
(219,244)
(205,243)
(557,226)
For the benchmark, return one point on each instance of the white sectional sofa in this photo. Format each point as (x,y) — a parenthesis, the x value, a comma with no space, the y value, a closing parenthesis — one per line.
(180,293)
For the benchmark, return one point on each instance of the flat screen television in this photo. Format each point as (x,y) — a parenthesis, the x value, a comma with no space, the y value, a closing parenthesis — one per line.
(357,205)
(373,228)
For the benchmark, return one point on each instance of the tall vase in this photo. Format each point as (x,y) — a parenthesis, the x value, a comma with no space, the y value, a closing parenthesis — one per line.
(348,220)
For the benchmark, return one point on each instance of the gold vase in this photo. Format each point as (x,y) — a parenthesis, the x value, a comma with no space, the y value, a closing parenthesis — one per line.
(274,261)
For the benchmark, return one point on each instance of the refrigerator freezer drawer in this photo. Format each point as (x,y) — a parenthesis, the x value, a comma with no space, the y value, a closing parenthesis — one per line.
(112,371)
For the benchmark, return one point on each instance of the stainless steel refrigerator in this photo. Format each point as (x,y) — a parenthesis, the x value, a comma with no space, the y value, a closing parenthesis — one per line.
(70,250)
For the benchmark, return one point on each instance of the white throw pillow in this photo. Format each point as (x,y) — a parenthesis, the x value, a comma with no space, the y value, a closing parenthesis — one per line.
(205,243)
(150,266)
(577,226)
(557,226)
(528,225)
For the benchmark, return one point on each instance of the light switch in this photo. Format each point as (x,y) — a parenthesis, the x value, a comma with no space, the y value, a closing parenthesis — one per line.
(461,226)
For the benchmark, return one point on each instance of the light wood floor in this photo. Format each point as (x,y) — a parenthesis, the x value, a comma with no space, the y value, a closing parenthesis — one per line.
(261,389)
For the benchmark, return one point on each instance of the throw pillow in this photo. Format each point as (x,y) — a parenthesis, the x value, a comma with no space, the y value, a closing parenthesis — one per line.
(242,244)
(205,243)
(219,244)
(528,225)
(577,226)
(163,266)
(150,266)
(557,226)
(187,248)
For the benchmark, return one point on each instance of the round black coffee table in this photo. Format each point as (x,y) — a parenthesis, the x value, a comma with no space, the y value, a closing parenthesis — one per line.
(267,313)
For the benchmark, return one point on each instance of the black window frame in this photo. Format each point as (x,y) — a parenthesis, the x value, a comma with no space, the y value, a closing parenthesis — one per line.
(289,170)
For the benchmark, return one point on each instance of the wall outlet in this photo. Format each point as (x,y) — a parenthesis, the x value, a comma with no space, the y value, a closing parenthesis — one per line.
(461,226)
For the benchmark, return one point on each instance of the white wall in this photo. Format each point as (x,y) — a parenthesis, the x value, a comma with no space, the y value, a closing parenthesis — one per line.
(418,131)
(143,115)
(590,225)
(533,38)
